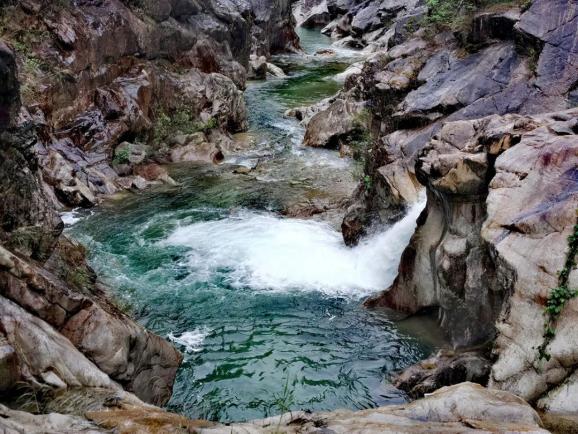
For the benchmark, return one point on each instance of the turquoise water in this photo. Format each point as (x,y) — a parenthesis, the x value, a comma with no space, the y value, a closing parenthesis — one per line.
(267,310)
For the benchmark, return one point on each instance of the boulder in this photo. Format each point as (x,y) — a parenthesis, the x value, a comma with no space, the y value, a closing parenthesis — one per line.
(75,314)
(464,408)
(311,13)
(501,205)
(133,153)
(275,71)
(258,67)
(197,147)
(446,368)
(332,127)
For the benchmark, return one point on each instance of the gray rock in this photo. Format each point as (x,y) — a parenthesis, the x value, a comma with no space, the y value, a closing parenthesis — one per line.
(553,23)
(446,368)
(12,421)
(68,319)
(331,127)
(464,408)
(497,188)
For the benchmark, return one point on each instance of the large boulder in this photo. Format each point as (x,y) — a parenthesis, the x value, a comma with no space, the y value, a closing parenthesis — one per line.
(311,13)
(502,200)
(336,126)
(78,313)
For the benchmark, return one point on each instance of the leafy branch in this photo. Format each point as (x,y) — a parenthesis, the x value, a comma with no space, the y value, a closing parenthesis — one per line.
(559,296)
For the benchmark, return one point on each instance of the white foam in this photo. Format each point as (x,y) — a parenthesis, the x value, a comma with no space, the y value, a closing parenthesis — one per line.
(264,252)
(192,341)
(70,218)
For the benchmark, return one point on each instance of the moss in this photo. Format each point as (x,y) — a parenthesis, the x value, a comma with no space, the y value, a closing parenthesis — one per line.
(121,156)
(181,120)
(560,295)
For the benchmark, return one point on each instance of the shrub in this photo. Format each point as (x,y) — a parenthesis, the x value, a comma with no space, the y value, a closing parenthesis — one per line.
(559,296)
(121,156)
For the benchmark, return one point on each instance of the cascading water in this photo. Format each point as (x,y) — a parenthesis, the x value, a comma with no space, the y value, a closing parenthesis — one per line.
(266,309)
(268,253)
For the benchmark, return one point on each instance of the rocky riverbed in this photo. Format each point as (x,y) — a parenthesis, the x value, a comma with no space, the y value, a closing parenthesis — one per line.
(201,280)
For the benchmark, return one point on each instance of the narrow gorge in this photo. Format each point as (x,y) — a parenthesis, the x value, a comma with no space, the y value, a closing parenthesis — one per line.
(277,216)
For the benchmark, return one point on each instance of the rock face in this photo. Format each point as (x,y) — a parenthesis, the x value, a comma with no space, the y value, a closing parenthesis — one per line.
(98,74)
(57,328)
(9,94)
(412,83)
(502,200)
(501,188)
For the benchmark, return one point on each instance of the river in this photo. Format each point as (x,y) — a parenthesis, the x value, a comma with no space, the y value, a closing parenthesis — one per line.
(266,309)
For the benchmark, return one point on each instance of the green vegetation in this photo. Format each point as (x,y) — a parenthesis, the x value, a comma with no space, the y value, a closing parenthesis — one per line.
(182,120)
(78,278)
(455,14)
(28,41)
(450,13)
(121,156)
(559,296)
(360,144)
(284,401)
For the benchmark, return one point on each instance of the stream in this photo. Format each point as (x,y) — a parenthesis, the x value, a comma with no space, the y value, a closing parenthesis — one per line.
(267,310)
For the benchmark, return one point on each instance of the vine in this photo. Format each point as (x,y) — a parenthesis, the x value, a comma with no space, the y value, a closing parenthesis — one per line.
(560,295)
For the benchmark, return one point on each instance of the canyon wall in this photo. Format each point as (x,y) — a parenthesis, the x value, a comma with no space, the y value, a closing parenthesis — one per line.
(83,83)
(117,86)
(501,188)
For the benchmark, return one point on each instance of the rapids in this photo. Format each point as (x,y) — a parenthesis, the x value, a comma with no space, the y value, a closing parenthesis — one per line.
(266,309)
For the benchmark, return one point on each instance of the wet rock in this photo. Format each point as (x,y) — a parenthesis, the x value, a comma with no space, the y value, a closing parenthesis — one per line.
(352,70)
(196,147)
(325,52)
(132,182)
(446,368)
(258,67)
(349,42)
(154,172)
(275,71)
(242,170)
